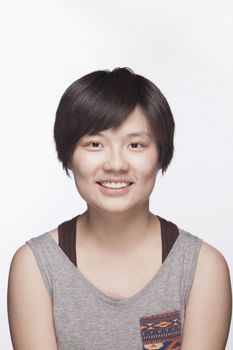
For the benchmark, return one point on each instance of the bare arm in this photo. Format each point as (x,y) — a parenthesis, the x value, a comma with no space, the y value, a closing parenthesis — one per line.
(29,305)
(209,307)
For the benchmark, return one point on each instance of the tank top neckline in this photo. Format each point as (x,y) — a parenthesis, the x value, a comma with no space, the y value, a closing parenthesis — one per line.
(107,298)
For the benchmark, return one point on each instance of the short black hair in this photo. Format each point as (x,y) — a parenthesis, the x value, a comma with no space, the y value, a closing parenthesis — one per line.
(103,99)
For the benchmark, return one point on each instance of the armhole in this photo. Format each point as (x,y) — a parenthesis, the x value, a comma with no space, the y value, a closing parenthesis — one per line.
(191,250)
(42,263)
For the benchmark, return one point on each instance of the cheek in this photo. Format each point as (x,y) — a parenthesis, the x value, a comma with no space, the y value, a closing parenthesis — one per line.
(147,174)
(83,172)
(147,164)
(83,166)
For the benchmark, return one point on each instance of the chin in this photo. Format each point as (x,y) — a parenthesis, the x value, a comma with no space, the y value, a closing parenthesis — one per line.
(119,209)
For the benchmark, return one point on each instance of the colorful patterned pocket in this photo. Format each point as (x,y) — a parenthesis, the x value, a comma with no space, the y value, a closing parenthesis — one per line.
(161,331)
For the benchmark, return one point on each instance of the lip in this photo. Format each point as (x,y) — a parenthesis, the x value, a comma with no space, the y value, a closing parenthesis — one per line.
(115,180)
(111,192)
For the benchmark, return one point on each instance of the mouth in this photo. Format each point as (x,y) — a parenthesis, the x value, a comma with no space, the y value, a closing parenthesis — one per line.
(114,191)
(115,185)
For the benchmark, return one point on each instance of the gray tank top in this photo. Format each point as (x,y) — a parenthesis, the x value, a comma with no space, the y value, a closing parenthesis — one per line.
(85,318)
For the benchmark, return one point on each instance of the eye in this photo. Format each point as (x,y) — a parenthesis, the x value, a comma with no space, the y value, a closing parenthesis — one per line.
(136,143)
(93,143)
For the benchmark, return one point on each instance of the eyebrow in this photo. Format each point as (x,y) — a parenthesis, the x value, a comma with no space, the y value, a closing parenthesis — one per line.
(132,134)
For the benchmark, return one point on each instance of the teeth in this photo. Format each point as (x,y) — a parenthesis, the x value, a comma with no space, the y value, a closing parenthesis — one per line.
(115,184)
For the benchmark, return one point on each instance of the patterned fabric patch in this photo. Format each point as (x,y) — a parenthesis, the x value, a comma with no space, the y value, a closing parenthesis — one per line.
(161,331)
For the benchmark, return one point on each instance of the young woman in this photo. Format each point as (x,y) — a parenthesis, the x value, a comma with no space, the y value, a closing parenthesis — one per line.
(117,276)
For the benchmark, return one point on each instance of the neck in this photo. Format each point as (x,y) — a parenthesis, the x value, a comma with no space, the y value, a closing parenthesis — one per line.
(119,231)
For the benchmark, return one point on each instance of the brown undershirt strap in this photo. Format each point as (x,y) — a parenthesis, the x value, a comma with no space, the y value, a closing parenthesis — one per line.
(67,237)
(169,234)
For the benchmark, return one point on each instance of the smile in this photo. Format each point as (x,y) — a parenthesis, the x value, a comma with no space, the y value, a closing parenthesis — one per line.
(117,190)
(114,184)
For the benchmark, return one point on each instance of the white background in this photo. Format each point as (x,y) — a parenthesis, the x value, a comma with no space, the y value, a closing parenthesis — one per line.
(185,47)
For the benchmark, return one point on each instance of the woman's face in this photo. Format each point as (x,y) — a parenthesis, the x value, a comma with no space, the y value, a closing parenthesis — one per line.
(117,156)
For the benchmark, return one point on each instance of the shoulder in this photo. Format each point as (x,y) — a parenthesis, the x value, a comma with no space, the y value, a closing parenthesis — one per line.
(25,283)
(209,301)
(24,264)
(23,274)
(211,260)
(43,238)
(54,234)
(22,257)
(23,267)
(211,271)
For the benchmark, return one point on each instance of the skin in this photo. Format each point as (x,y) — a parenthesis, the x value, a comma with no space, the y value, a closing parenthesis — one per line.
(113,156)
(132,229)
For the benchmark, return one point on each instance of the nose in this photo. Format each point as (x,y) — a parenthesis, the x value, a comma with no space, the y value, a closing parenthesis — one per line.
(116,161)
